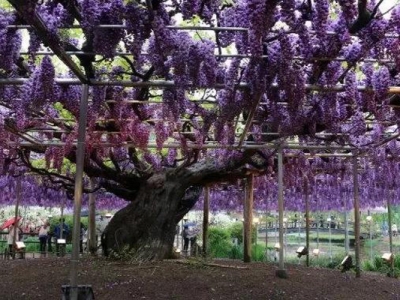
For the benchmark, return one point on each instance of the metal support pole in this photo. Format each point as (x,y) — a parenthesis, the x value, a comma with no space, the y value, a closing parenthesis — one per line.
(285,222)
(78,191)
(389,207)
(60,248)
(330,238)
(356,217)
(206,214)
(248,219)
(276,230)
(281,272)
(256,243)
(370,240)
(346,228)
(62,217)
(307,225)
(343,195)
(266,230)
(92,221)
(15,225)
(298,236)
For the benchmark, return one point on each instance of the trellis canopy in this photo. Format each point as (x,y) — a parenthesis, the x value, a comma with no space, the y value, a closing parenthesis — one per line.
(173,83)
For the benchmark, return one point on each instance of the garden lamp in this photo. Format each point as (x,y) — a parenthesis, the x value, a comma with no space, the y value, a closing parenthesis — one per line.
(20,245)
(388,257)
(277,246)
(346,264)
(301,251)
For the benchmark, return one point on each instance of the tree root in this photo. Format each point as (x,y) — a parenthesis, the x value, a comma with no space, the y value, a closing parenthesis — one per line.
(185,262)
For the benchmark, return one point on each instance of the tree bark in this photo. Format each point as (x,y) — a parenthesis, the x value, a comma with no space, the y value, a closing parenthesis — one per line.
(146,227)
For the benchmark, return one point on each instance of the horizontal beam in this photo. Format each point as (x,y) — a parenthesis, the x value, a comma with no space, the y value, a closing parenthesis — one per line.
(51,40)
(343,59)
(170,84)
(199,28)
(195,146)
(276,134)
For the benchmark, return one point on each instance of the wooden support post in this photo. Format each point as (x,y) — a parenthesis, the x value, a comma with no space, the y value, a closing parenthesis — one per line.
(92,238)
(206,213)
(356,217)
(248,218)
(281,272)
(78,189)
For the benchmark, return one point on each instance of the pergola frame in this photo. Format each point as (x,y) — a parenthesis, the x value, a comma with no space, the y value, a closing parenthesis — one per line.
(39,26)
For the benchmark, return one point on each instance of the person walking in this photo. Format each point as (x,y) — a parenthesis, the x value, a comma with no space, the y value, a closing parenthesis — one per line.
(81,237)
(61,234)
(193,239)
(12,232)
(185,236)
(43,236)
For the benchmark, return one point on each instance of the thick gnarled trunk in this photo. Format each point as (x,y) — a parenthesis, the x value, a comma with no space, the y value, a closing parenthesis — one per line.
(146,227)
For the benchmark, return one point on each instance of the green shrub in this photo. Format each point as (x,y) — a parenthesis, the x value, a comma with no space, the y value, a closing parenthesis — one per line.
(236,231)
(258,253)
(236,252)
(220,243)
(32,244)
(369,266)
(378,265)
(325,261)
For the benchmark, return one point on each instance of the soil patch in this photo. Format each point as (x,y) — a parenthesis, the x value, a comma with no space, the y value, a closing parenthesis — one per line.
(42,278)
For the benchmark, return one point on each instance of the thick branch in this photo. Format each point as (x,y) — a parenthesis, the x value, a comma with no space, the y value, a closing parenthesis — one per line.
(64,181)
(364,16)
(106,173)
(119,190)
(209,171)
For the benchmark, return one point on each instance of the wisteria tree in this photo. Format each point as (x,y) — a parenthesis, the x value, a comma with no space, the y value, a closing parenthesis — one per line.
(172,110)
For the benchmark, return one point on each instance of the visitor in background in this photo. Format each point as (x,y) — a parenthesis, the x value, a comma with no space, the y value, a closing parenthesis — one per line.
(185,236)
(82,234)
(193,239)
(394,230)
(58,234)
(385,228)
(10,238)
(43,236)
(50,234)
(101,225)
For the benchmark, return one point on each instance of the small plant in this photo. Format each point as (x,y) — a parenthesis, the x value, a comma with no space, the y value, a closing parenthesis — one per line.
(236,252)
(258,253)
(197,262)
(220,242)
(378,265)
(126,254)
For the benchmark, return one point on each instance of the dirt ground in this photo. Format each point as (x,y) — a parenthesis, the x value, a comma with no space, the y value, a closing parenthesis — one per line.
(42,278)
